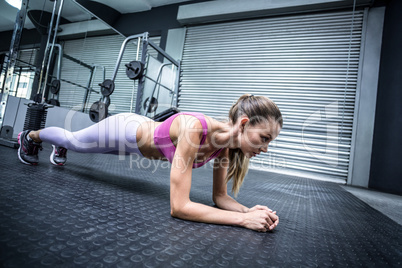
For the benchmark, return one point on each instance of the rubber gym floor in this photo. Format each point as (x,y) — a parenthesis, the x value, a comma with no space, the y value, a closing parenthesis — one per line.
(102,211)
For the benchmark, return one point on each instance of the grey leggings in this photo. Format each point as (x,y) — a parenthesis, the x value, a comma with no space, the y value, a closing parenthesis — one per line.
(116,134)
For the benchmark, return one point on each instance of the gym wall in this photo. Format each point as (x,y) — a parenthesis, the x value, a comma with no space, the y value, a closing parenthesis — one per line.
(386,168)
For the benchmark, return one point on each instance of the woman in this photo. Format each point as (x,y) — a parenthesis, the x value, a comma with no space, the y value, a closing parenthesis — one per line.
(187,140)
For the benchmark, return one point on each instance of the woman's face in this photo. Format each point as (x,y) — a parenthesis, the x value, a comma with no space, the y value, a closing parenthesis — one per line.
(255,139)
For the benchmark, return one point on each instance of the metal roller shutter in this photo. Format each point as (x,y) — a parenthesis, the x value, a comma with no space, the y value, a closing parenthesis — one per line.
(103,51)
(307,64)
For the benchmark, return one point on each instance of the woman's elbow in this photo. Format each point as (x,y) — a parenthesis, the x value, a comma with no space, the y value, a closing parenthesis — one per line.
(217,197)
(178,212)
(174,212)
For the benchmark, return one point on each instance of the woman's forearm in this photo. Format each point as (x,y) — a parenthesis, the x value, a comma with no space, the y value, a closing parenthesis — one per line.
(202,213)
(228,203)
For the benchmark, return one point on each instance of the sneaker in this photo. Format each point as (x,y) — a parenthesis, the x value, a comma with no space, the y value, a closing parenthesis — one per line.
(58,156)
(28,151)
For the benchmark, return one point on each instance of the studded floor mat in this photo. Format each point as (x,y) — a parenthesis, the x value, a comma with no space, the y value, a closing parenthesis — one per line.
(111,211)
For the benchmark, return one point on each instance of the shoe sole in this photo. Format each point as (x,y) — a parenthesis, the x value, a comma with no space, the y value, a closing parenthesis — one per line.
(19,153)
(52,155)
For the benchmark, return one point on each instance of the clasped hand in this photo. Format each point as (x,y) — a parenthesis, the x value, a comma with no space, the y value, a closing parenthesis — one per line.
(261,218)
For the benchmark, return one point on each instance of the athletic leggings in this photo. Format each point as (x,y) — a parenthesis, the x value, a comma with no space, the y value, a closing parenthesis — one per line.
(116,134)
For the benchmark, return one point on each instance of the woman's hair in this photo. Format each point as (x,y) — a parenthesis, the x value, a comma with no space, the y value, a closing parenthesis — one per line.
(257,109)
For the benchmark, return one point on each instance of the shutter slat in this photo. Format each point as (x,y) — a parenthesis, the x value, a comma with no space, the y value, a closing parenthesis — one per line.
(307,64)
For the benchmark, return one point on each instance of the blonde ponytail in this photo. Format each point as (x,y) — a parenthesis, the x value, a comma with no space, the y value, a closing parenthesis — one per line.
(238,167)
(256,108)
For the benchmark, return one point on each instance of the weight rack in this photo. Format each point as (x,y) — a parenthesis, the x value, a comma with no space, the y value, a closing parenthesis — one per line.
(135,71)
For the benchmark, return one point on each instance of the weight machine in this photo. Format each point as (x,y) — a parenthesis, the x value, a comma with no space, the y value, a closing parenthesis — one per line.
(157,92)
(158,82)
(55,85)
(11,60)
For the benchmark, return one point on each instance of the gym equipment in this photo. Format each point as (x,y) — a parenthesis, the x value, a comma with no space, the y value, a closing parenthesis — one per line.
(12,56)
(54,89)
(55,86)
(107,87)
(165,114)
(155,84)
(150,104)
(37,98)
(135,70)
(35,117)
(89,89)
(89,86)
(138,70)
(78,85)
(160,81)
(53,102)
(6,132)
(52,34)
(98,111)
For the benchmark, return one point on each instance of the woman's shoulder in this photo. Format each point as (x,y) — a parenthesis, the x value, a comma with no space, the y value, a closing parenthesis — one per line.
(186,124)
(198,121)
(191,120)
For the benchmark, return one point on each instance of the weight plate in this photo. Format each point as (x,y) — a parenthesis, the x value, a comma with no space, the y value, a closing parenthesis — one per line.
(107,87)
(98,111)
(55,86)
(134,70)
(38,98)
(53,102)
(94,112)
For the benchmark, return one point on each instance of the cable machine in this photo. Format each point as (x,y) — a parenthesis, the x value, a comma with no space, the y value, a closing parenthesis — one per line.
(10,64)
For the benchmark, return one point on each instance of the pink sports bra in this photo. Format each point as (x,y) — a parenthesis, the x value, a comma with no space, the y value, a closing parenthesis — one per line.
(165,145)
